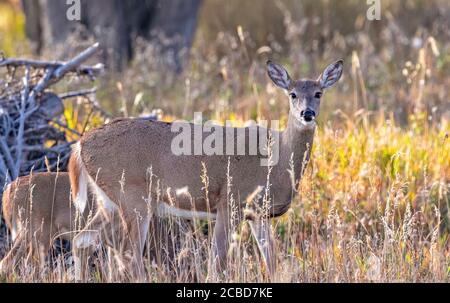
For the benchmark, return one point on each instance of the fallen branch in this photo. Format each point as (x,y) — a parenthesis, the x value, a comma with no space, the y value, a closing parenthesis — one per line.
(79,93)
(95,70)
(75,62)
(70,66)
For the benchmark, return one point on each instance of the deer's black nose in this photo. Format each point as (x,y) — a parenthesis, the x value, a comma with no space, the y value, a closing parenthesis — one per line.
(308,115)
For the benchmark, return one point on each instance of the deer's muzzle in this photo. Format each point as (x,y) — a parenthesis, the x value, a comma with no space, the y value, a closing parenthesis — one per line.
(308,115)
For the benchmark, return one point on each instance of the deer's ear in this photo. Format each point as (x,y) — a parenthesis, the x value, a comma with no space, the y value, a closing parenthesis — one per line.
(331,74)
(278,75)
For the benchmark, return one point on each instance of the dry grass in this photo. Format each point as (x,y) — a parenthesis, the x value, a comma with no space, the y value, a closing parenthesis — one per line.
(373,206)
(374,202)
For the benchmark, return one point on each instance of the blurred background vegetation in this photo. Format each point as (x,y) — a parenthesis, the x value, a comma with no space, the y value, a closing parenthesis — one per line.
(387,61)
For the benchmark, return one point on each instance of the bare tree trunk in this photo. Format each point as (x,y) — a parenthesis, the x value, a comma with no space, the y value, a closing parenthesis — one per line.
(176,20)
(115,24)
(33,24)
(106,20)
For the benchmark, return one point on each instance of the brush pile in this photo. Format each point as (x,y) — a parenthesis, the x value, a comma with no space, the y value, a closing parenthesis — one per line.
(33,130)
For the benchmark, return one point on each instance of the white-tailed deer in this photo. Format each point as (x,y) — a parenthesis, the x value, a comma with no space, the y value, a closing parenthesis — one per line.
(38,209)
(120,160)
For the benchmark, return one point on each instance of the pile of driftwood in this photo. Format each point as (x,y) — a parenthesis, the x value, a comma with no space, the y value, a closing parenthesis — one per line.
(33,131)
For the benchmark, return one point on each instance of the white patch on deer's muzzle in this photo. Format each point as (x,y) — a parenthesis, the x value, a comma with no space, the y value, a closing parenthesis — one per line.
(308,124)
(165,210)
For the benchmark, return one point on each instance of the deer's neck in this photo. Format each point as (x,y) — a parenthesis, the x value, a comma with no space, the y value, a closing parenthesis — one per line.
(295,149)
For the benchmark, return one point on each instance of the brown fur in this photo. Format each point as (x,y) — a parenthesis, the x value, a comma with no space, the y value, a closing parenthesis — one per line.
(74,171)
(6,204)
(40,209)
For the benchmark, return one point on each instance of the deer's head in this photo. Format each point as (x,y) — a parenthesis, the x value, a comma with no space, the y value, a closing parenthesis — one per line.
(304,95)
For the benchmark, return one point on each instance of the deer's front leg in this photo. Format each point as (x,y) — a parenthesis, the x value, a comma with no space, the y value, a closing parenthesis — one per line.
(221,239)
(262,231)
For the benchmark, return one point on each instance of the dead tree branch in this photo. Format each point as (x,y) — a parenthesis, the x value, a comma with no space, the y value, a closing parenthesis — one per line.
(33,130)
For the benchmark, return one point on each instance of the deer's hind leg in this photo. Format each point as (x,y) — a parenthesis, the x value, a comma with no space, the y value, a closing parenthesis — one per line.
(16,254)
(104,229)
(137,216)
(85,242)
(41,242)
(29,245)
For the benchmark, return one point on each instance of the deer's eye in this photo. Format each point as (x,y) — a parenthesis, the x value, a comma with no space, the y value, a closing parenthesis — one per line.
(293,96)
(318,95)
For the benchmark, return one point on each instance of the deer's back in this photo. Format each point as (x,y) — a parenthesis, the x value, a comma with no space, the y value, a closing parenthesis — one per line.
(127,152)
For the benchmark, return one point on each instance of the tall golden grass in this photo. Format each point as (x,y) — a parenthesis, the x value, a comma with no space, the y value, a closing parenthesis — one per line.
(373,206)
